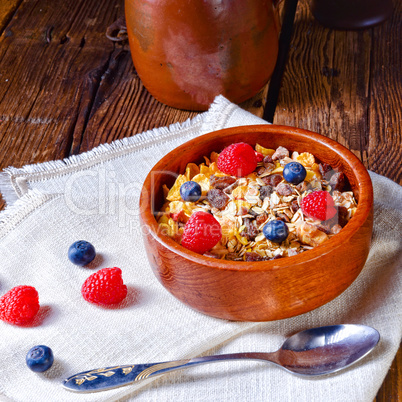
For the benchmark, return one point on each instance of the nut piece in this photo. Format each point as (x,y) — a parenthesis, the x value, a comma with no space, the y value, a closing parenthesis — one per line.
(311,235)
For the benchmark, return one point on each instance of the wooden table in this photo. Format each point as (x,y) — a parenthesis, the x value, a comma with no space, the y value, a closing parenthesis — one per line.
(65,88)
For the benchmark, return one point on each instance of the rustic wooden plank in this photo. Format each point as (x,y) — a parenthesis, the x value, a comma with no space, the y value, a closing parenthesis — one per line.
(384,142)
(52,63)
(123,107)
(7,9)
(350,73)
(390,391)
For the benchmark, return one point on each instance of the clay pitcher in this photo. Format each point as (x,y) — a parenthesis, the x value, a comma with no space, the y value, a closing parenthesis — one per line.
(188,52)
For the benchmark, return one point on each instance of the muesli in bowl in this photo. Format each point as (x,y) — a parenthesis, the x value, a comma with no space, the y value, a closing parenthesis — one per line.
(269,203)
(271,288)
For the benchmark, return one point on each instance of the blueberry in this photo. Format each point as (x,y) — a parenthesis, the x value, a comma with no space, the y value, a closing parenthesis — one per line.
(39,358)
(276,231)
(81,253)
(294,172)
(190,191)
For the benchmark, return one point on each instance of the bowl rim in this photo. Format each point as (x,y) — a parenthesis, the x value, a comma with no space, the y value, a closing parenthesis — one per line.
(363,211)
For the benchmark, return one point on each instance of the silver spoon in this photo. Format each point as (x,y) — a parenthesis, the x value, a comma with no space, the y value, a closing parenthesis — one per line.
(313,352)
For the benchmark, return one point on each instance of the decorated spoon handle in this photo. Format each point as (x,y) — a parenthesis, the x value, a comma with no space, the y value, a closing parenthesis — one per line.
(106,378)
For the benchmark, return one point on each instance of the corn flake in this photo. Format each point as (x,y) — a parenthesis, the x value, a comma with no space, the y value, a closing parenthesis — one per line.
(265,151)
(174,192)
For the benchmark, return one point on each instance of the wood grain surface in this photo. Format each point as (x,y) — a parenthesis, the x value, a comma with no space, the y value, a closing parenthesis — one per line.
(65,88)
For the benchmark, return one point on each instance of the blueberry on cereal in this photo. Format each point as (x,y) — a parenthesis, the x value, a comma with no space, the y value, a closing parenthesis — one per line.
(294,172)
(276,231)
(190,191)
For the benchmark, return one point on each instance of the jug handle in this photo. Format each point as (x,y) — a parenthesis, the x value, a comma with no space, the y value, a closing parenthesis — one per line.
(289,13)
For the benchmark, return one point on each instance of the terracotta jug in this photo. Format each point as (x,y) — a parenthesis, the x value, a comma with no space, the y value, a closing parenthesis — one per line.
(187,52)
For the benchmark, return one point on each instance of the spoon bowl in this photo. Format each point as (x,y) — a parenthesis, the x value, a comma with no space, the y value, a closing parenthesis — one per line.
(325,350)
(313,352)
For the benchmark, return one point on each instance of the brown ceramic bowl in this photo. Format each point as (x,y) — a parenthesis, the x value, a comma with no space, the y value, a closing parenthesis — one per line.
(264,290)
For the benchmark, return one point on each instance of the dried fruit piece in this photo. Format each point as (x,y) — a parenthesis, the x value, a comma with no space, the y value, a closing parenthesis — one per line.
(250,231)
(337,181)
(217,198)
(284,189)
(221,182)
(266,191)
(280,153)
(310,234)
(272,180)
(253,256)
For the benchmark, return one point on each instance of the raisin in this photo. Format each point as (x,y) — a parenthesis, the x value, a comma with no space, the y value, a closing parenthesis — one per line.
(294,205)
(260,219)
(217,198)
(342,216)
(221,182)
(252,256)
(266,191)
(324,228)
(211,255)
(283,217)
(250,231)
(272,180)
(267,160)
(233,257)
(230,188)
(325,170)
(337,181)
(284,189)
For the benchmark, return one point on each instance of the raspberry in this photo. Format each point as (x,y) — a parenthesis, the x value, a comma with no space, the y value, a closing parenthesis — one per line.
(19,305)
(201,233)
(319,205)
(259,156)
(237,160)
(104,287)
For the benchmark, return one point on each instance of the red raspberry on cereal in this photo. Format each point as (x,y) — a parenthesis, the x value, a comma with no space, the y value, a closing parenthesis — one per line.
(19,305)
(104,287)
(259,156)
(201,233)
(319,205)
(237,160)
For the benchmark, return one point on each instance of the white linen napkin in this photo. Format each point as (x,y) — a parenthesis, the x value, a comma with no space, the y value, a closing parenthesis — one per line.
(94,196)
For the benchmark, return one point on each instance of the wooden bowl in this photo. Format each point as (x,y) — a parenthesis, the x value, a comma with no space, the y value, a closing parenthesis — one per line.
(264,290)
